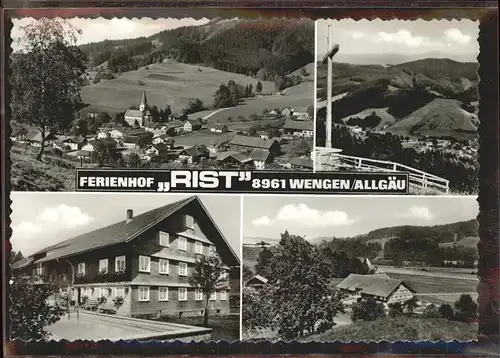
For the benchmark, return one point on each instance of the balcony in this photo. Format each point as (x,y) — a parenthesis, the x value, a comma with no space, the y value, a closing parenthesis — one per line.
(102,277)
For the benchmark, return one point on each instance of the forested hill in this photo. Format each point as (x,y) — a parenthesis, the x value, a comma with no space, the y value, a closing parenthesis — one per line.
(264,48)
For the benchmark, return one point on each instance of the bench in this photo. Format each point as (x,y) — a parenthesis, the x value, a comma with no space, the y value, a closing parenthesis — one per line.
(90,305)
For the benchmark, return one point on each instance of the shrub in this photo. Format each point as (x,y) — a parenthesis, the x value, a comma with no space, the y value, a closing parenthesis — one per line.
(102,299)
(395,309)
(367,310)
(446,311)
(431,311)
(466,307)
(118,300)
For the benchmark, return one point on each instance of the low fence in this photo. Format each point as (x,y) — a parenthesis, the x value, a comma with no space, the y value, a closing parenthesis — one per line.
(417,177)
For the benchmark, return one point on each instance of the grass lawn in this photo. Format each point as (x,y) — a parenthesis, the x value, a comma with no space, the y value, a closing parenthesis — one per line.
(401,328)
(224,327)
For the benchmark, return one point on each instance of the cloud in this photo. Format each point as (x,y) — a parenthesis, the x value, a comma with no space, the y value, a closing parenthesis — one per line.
(26,228)
(455,35)
(358,35)
(401,37)
(262,221)
(303,215)
(419,212)
(64,215)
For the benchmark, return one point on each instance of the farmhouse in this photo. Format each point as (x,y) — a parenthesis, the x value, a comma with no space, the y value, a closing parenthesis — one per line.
(157,149)
(164,139)
(137,117)
(286,112)
(94,144)
(18,134)
(192,155)
(173,128)
(301,163)
(260,158)
(234,159)
(34,138)
(132,142)
(300,113)
(192,125)
(141,265)
(240,142)
(257,282)
(218,128)
(103,134)
(298,128)
(378,286)
(71,143)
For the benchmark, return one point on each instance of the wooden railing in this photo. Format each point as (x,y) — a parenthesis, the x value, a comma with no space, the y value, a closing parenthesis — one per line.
(416,177)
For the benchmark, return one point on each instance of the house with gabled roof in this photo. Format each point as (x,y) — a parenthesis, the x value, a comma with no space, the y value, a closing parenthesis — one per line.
(192,125)
(298,128)
(234,160)
(247,143)
(377,286)
(143,261)
(193,154)
(257,281)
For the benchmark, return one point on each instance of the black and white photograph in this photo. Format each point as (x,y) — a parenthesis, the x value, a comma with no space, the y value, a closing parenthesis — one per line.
(400,96)
(166,93)
(125,266)
(338,268)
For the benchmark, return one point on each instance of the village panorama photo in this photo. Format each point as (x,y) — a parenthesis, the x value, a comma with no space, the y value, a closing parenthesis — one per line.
(341,269)
(400,96)
(124,266)
(166,93)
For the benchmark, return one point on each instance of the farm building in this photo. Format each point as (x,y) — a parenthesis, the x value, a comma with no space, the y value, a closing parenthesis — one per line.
(260,158)
(71,143)
(18,134)
(298,128)
(103,134)
(34,138)
(234,159)
(240,142)
(378,286)
(192,154)
(93,145)
(157,149)
(141,265)
(301,163)
(192,125)
(139,116)
(256,282)
(300,113)
(286,112)
(164,138)
(218,128)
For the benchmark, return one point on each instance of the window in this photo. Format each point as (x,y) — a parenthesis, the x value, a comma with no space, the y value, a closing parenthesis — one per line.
(182,269)
(144,264)
(198,248)
(103,265)
(198,295)
(81,268)
(189,222)
(213,297)
(223,295)
(223,275)
(182,243)
(119,291)
(163,294)
(164,266)
(120,263)
(103,292)
(183,293)
(39,269)
(164,239)
(143,293)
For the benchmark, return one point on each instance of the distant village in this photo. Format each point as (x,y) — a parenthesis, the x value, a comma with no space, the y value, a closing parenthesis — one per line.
(153,144)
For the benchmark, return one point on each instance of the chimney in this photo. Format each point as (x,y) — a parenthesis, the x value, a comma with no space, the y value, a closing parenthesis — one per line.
(130,215)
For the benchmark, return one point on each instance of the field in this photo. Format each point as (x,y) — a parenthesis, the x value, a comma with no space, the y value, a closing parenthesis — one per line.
(202,137)
(175,84)
(437,285)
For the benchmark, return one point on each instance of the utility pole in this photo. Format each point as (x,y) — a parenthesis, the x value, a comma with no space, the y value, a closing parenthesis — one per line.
(328,59)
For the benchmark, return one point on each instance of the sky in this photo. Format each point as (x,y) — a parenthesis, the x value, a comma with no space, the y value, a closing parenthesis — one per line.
(340,216)
(456,39)
(95,30)
(43,219)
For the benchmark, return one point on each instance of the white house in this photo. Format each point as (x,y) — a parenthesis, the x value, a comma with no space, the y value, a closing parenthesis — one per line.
(218,128)
(103,134)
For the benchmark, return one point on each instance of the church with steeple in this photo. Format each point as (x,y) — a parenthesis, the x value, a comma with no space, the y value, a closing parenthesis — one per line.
(138,117)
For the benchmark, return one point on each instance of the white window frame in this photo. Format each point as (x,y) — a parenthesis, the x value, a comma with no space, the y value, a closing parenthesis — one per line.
(121,289)
(198,294)
(184,294)
(103,265)
(186,221)
(165,236)
(182,243)
(198,248)
(103,292)
(141,258)
(165,290)
(81,268)
(223,295)
(118,259)
(140,290)
(39,269)
(213,297)
(182,272)
(167,271)
(223,275)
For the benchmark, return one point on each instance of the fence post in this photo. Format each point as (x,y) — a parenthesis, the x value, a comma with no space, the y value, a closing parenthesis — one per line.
(425,181)
(360,162)
(395,167)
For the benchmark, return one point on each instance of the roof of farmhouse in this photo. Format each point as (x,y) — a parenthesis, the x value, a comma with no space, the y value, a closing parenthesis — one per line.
(255,142)
(123,231)
(374,285)
(298,125)
(135,113)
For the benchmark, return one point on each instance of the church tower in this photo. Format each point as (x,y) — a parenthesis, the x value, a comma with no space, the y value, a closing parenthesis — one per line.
(144,102)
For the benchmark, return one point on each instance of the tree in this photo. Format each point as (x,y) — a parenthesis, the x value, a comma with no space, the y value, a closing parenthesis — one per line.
(15,256)
(395,309)
(410,305)
(207,276)
(258,87)
(193,106)
(46,77)
(446,311)
(302,148)
(466,307)
(29,310)
(134,160)
(431,311)
(247,273)
(263,261)
(367,310)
